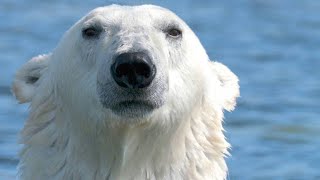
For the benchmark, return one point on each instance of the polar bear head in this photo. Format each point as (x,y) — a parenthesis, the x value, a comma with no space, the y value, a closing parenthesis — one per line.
(128,65)
(128,93)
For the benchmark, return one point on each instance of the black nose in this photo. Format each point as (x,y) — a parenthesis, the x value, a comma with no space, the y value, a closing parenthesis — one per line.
(133,70)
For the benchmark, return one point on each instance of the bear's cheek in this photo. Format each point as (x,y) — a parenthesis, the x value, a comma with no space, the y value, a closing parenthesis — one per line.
(186,83)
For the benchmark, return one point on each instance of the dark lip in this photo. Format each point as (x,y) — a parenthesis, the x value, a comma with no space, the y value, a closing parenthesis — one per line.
(130,103)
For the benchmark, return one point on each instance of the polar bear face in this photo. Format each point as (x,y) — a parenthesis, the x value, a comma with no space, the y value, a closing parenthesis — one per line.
(126,65)
(128,93)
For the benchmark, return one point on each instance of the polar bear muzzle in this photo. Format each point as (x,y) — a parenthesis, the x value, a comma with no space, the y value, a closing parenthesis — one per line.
(132,85)
(133,70)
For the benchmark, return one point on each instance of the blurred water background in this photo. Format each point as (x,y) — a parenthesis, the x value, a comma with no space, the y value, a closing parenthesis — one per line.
(272,45)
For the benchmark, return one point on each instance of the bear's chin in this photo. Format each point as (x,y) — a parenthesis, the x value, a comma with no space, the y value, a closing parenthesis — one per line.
(133,109)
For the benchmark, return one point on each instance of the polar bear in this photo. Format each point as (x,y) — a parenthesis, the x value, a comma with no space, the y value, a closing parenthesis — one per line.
(128,93)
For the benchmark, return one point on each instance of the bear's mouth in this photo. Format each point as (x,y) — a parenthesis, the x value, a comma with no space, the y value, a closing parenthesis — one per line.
(133,108)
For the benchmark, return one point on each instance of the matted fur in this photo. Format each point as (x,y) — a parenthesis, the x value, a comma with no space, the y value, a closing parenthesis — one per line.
(183,139)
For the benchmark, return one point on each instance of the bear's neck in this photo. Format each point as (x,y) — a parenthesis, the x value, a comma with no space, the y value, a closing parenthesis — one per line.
(193,149)
(132,152)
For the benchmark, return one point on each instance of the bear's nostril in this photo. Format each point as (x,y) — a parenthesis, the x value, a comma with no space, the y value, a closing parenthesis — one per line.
(122,69)
(143,69)
(133,70)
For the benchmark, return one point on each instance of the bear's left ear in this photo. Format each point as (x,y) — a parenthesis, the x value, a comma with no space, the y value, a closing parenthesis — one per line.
(229,83)
(26,79)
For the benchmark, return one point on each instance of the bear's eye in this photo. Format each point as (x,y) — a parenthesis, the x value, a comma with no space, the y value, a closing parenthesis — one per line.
(90,32)
(174,32)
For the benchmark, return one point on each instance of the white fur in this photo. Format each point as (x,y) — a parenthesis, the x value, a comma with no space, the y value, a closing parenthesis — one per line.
(70,135)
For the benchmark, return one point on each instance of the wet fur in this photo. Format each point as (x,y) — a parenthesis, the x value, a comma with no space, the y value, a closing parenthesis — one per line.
(183,139)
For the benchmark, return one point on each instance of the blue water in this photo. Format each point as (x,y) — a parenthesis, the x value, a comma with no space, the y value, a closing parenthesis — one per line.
(272,45)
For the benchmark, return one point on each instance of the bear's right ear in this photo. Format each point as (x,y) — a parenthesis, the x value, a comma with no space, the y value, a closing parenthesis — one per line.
(26,78)
(229,83)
